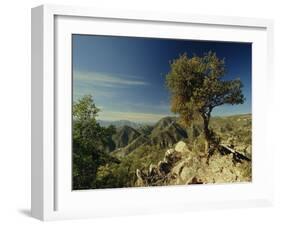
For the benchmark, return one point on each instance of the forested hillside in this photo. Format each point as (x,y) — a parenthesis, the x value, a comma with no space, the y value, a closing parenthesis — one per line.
(110,157)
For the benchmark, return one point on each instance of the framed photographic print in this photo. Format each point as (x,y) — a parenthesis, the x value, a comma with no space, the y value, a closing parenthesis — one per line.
(137,112)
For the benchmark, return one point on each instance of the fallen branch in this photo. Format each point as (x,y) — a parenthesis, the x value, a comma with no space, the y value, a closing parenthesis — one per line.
(237,155)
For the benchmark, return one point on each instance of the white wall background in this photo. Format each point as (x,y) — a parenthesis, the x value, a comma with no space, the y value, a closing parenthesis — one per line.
(15,111)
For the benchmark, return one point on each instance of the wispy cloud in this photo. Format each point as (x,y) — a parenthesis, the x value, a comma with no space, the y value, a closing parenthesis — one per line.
(107,80)
(132,116)
(79,93)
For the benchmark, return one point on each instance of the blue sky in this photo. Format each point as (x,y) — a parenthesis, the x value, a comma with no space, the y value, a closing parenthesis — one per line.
(126,75)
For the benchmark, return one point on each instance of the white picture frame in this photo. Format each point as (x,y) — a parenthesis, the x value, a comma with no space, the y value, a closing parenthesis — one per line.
(51,196)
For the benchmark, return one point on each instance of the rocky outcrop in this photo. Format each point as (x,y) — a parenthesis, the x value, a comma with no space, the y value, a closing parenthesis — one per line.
(183,166)
(161,173)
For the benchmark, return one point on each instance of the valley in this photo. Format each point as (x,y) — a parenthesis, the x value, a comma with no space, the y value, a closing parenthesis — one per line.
(143,150)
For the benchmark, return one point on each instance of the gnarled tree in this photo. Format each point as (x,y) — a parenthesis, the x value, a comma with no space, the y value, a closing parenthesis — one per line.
(197,87)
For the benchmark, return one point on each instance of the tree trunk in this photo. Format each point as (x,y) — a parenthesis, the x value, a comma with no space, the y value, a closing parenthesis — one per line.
(206,132)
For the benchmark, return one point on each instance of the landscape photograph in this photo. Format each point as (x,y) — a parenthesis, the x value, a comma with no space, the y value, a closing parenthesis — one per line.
(160,112)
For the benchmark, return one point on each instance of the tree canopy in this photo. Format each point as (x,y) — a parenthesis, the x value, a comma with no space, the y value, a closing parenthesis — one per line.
(89,140)
(196,85)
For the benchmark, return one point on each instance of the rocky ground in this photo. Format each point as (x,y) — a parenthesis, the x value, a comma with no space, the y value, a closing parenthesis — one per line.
(182,166)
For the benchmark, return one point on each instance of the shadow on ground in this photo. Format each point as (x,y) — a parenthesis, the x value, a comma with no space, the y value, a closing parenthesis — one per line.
(25,212)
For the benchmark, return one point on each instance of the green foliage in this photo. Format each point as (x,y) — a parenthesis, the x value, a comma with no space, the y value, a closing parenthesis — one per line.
(233,129)
(89,138)
(124,174)
(197,87)
(85,109)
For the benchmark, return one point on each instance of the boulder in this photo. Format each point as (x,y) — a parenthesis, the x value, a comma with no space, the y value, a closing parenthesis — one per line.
(172,156)
(169,152)
(184,171)
(181,147)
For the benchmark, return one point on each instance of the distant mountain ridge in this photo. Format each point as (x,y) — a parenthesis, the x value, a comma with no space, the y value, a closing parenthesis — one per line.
(165,133)
(119,123)
(124,136)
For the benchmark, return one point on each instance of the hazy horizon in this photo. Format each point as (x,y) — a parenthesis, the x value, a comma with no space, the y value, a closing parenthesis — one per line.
(153,122)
